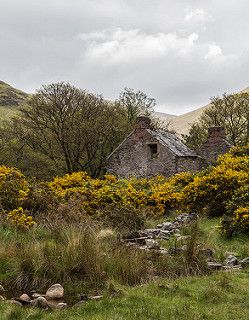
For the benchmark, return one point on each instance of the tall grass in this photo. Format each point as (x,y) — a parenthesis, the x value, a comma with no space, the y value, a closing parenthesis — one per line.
(86,258)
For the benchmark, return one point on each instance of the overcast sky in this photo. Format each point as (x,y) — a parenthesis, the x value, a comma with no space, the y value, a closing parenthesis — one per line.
(181,52)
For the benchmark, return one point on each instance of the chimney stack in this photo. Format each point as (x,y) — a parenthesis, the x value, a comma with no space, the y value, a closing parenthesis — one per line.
(216,133)
(143,122)
(215,145)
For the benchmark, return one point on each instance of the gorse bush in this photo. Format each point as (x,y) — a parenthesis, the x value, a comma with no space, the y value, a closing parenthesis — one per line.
(237,223)
(20,219)
(14,188)
(209,190)
(241,219)
(158,194)
(213,189)
(14,191)
(216,191)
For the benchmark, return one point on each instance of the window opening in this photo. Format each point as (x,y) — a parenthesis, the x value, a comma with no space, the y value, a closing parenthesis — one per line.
(153,151)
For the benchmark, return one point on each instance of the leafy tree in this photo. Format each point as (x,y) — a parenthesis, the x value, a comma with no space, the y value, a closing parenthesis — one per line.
(230,111)
(69,128)
(63,129)
(135,103)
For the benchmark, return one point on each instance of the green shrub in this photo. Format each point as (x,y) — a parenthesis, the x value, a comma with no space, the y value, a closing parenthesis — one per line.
(238,223)
(124,219)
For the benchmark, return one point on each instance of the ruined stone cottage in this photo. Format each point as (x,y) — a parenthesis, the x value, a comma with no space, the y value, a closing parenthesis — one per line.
(147,152)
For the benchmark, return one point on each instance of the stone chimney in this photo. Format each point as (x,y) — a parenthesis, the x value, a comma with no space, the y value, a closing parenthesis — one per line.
(215,145)
(143,122)
(216,133)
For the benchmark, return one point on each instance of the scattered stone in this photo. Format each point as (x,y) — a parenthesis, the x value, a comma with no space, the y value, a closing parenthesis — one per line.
(15,302)
(214,265)
(231,260)
(96,298)
(24,299)
(140,241)
(151,232)
(1,289)
(232,268)
(56,291)
(177,235)
(152,244)
(61,306)
(164,251)
(164,234)
(1,299)
(162,231)
(40,302)
(182,238)
(36,295)
(244,262)
(209,253)
(167,225)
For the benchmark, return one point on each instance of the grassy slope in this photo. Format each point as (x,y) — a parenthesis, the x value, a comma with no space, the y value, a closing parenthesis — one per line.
(10,100)
(219,296)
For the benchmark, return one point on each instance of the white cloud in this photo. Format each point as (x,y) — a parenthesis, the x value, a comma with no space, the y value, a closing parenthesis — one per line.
(197,15)
(128,46)
(216,55)
(179,52)
(214,51)
(114,47)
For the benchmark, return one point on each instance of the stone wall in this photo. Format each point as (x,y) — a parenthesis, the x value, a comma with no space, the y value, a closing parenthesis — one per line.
(189,164)
(133,158)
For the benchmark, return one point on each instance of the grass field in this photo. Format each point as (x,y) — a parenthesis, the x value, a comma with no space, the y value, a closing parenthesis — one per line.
(221,296)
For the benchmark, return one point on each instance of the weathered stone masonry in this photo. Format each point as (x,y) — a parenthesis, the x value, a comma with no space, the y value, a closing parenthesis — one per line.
(147,152)
(215,145)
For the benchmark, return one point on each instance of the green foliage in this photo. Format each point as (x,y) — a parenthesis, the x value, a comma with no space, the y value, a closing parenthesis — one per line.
(124,219)
(62,129)
(229,111)
(135,104)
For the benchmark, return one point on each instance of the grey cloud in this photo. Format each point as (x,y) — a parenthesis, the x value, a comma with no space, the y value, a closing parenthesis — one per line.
(46,41)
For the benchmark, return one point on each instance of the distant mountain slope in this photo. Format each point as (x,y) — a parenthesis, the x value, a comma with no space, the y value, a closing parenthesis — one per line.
(11,97)
(10,100)
(181,124)
(163,115)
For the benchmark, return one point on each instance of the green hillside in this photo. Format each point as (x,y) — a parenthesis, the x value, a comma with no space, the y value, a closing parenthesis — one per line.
(10,100)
